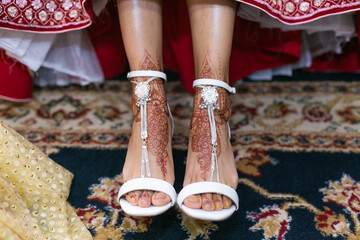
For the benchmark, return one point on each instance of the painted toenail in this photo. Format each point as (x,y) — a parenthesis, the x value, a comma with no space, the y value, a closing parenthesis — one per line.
(217,205)
(133,200)
(160,196)
(194,199)
(226,204)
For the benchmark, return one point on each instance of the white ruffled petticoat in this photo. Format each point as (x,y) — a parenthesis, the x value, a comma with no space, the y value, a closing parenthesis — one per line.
(321,36)
(55,59)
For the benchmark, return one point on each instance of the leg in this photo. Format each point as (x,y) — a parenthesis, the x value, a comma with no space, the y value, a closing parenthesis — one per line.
(141,27)
(212,24)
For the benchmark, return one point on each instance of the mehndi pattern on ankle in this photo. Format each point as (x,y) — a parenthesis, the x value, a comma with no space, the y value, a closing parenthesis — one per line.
(159,129)
(142,91)
(209,97)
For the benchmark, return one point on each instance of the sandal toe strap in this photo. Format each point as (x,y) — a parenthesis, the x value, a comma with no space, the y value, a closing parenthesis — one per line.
(208,187)
(153,184)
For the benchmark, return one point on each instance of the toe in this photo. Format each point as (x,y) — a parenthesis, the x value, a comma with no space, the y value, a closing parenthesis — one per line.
(145,199)
(226,201)
(160,199)
(193,201)
(133,197)
(218,203)
(207,203)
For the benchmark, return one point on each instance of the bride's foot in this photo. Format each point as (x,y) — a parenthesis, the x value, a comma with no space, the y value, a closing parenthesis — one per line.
(159,127)
(198,165)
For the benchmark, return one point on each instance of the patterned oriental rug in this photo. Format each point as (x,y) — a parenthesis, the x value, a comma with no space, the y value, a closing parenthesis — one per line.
(296,145)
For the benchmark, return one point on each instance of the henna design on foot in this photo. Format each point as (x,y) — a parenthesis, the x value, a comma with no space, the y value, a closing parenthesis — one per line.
(200,130)
(148,63)
(208,69)
(201,139)
(158,130)
(200,126)
(158,114)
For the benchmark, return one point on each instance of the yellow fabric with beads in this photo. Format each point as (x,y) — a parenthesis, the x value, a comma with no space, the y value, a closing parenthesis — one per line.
(33,193)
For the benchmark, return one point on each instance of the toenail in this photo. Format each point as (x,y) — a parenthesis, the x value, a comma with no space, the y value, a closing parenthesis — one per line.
(194,199)
(217,205)
(160,196)
(226,204)
(144,201)
(133,200)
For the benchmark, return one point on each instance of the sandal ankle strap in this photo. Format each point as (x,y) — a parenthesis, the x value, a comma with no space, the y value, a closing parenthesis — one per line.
(214,82)
(146,73)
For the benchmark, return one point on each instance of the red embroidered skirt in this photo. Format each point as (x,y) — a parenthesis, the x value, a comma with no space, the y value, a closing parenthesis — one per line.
(44,15)
(302,11)
(272,47)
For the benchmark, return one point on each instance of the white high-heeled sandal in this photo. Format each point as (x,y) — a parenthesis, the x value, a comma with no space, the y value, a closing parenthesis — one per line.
(209,96)
(142,91)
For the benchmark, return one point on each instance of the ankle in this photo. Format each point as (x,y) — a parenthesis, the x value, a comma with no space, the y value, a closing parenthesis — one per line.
(157,95)
(224,110)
